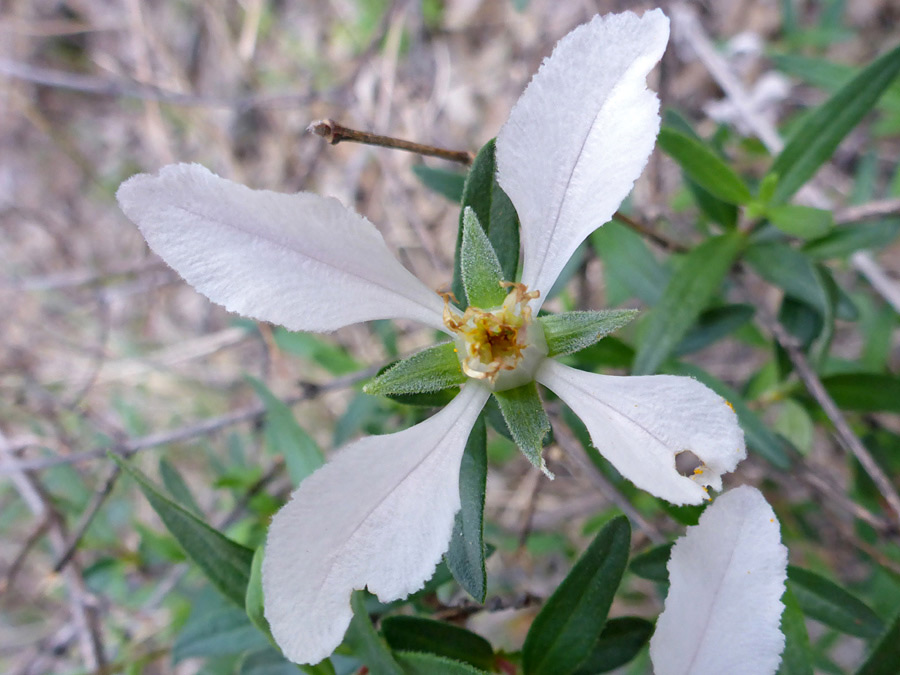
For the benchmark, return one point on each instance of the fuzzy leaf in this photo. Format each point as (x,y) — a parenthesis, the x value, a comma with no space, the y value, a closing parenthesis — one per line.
(801,221)
(619,642)
(827,602)
(450,184)
(417,634)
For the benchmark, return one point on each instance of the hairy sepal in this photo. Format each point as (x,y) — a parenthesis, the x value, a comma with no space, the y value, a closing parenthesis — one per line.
(570,332)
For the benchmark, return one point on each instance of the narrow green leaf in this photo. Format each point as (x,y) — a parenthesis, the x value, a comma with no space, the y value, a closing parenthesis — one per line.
(253,600)
(570,332)
(450,184)
(884,658)
(704,167)
(269,661)
(565,632)
(622,638)
(629,264)
(328,355)
(715,209)
(848,239)
(797,657)
(801,221)
(285,438)
(865,392)
(481,273)
(712,325)
(417,634)
(365,643)
(215,628)
(416,663)
(432,369)
(827,602)
(792,271)
(465,556)
(526,420)
(816,140)
(653,564)
(176,486)
(225,563)
(690,290)
(496,214)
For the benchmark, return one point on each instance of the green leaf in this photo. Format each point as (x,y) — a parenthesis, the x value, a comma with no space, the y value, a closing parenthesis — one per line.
(269,661)
(797,658)
(704,167)
(622,638)
(816,140)
(653,564)
(417,634)
(364,642)
(215,629)
(432,369)
(526,420)
(792,271)
(865,392)
(827,602)
(805,222)
(328,355)
(690,290)
(415,663)
(496,214)
(715,209)
(253,600)
(481,273)
(885,656)
(795,424)
(285,438)
(848,239)
(565,632)
(712,325)
(450,184)
(465,556)
(175,485)
(628,263)
(570,332)
(225,563)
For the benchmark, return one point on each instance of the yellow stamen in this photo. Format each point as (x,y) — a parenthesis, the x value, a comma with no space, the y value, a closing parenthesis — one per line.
(493,340)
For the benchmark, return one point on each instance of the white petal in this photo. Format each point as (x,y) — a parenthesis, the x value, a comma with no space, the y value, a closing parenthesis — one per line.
(640,424)
(724,606)
(299,260)
(580,136)
(379,514)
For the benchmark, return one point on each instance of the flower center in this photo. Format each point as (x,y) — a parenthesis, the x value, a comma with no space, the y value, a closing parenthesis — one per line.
(492,343)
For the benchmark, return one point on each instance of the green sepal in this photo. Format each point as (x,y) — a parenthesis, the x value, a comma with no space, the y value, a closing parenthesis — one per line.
(524,415)
(432,369)
(570,332)
(478,264)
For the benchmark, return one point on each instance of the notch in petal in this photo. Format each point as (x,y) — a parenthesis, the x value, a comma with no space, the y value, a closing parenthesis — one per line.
(580,136)
(299,260)
(641,424)
(379,515)
(724,607)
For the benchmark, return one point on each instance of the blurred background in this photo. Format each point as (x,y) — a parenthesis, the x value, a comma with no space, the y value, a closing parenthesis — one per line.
(102,346)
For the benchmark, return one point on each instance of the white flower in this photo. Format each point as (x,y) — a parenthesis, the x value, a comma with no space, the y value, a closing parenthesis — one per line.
(380,514)
(724,606)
